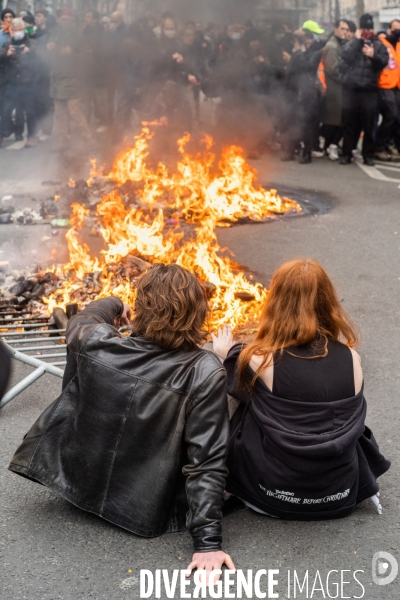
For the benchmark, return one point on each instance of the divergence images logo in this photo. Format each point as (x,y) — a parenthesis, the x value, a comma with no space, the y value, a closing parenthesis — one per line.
(385,568)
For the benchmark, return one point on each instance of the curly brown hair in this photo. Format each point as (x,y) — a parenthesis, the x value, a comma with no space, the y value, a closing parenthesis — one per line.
(170,308)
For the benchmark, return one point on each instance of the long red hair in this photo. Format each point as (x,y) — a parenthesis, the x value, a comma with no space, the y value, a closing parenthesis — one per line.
(302,306)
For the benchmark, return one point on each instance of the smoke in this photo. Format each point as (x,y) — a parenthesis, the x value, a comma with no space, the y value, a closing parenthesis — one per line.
(216,11)
(202,80)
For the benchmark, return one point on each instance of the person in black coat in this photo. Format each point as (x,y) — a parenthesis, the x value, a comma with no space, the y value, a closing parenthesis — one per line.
(362,61)
(44,103)
(302,96)
(19,60)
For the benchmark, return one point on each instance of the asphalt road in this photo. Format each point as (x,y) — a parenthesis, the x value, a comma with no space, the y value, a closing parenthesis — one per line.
(50,550)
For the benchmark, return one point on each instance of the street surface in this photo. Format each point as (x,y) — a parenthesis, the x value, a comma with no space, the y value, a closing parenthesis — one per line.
(50,550)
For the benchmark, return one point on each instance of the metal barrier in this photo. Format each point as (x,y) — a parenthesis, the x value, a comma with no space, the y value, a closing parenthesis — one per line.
(42,365)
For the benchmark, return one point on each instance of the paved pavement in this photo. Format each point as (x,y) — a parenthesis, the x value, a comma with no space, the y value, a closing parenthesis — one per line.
(50,550)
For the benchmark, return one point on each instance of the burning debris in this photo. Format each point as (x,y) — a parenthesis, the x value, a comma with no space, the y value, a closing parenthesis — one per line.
(146,214)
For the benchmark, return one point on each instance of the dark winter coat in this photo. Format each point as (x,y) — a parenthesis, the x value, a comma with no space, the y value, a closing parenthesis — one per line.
(300,460)
(68,70)
(332,107)
(20,68)
(138,436)
(301,74)
(361,72)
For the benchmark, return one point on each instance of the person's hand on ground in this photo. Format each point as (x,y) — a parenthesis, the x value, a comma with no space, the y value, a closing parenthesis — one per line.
(210,561)
(223,341)
(125,318)
(25,50)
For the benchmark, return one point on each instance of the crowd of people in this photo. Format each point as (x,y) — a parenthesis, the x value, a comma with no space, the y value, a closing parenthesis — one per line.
(313,93)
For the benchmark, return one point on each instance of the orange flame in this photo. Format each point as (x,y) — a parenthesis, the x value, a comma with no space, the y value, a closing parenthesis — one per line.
(197,193)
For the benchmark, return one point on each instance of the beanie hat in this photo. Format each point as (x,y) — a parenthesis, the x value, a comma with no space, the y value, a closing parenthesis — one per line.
(366,21)
(7,11)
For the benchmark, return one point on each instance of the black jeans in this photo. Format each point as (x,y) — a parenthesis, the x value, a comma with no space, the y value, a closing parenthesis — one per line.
(360,111)
(309,117)
(332,134)
(389,108)
(21,97)
(44,105)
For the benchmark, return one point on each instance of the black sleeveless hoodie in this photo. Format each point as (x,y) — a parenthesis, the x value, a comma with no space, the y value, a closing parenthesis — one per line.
(300,460)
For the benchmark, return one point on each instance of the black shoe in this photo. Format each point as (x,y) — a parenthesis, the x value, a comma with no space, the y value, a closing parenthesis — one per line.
(345,160)
(287,156)
(369,161)
(305,159)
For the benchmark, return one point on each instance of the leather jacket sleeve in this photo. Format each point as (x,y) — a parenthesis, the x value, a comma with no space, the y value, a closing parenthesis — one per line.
(81,326)
(207,436)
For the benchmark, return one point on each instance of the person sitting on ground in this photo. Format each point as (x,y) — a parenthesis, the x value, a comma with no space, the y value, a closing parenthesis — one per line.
(139,434)
(299,445)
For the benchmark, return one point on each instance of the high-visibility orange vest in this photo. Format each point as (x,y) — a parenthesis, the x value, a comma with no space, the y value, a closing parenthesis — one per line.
(390,76)
(321,75)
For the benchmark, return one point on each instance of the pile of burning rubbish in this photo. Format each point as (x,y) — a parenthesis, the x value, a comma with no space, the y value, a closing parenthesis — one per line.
(144,214)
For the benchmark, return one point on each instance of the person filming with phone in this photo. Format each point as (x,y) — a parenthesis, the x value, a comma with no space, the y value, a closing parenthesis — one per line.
(18,58)
(362,61)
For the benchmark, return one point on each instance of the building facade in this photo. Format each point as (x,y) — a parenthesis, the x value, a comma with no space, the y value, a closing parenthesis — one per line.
(383,11)
(293,11)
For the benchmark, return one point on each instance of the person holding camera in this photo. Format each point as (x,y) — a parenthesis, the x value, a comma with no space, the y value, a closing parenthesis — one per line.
(18,59)
(362,61)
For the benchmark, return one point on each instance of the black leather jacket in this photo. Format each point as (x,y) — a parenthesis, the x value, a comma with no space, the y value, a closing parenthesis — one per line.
(133,428)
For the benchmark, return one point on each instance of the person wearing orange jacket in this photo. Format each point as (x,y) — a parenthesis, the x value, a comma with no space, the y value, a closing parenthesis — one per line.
(389,92)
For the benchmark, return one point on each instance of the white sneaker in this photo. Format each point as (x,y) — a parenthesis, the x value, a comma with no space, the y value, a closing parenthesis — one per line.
(333,152)
(317,154)
(16,145)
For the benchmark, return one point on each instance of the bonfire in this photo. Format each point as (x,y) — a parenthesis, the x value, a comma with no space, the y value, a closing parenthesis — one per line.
(155,214)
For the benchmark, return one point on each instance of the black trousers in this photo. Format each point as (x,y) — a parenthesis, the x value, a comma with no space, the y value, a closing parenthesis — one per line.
(332,134)
(360,112)
(389,108)
(309,112)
